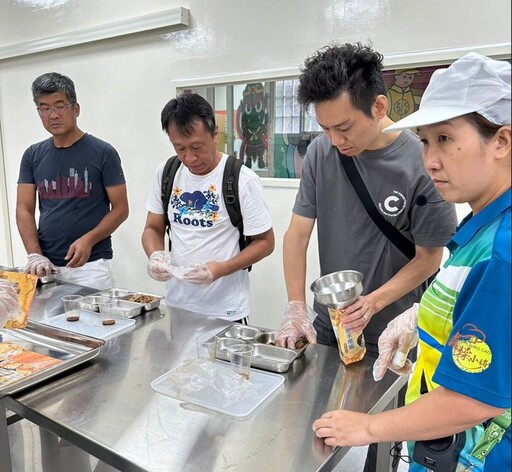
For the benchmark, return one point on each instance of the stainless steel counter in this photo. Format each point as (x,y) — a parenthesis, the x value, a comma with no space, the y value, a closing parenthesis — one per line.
(108,409)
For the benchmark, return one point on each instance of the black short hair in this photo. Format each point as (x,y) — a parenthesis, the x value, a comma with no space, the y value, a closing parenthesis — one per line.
(485,128)
(335,69)
(184,110)
(53,82)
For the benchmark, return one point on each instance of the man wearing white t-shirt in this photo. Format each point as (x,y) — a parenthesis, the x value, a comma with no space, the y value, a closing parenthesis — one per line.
(205,271)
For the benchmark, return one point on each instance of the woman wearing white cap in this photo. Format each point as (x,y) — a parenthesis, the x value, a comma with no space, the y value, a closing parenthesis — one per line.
(461,382)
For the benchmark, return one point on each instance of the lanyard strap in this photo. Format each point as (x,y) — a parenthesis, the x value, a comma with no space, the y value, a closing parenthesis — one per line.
(492,435)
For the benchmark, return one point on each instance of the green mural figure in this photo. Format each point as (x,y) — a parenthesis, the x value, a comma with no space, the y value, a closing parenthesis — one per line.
(252,124)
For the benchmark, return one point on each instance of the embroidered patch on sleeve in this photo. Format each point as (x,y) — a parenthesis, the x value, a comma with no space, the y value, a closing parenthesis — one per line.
(470,352)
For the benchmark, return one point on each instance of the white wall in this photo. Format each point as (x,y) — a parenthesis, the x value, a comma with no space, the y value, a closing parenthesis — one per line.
(122,85)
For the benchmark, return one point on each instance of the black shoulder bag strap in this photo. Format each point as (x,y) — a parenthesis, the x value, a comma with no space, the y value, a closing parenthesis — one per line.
(170,169)
(232,199)
(395,236)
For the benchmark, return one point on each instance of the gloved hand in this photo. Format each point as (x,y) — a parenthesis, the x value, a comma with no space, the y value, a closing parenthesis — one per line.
(160,267)
(8,301)
(195,273)
(395,342)
(297,322)
(39,265)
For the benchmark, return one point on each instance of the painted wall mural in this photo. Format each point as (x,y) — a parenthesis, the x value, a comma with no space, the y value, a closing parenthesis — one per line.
(271,134)
(252,119)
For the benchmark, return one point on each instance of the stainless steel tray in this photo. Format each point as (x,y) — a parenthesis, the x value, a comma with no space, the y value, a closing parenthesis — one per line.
(266,355)
(125,308)
(71,348)
(124,294)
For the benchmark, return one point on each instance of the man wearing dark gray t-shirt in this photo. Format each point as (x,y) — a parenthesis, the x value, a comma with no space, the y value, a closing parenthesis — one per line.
(346,87)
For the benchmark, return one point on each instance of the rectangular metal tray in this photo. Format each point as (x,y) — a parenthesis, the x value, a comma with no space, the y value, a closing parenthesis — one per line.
(125,308)
(265,355)
(72,348)
(123,294)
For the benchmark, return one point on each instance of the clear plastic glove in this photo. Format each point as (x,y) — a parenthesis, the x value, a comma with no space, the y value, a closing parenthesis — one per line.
(297,322)
(160,267)
(195,274)
(395,342)
(39,265)
(8,301)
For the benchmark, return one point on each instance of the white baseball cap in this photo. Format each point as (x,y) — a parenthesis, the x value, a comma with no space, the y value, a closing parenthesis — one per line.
(473,83)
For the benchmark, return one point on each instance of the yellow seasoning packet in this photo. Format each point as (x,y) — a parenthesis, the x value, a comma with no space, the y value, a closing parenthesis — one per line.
(351,344)
(26,285)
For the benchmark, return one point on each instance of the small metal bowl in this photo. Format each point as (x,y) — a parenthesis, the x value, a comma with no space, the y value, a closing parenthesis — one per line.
(91,303)
(114,292)
(339,289)
(268,337)
(224,343)
(246,333)
(222,347)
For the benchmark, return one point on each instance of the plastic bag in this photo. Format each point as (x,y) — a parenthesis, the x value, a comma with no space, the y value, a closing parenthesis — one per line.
(194,375)
(25,288)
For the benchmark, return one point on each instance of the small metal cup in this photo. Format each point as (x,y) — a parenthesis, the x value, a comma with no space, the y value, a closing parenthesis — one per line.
(339,289)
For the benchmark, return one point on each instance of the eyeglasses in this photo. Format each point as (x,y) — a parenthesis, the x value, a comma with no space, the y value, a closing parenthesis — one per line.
(59,109)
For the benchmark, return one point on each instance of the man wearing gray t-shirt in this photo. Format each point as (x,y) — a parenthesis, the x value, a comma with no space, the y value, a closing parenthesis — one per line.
(346,87)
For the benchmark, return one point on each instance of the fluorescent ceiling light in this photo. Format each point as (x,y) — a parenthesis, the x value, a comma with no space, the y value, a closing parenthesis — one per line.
(174,17)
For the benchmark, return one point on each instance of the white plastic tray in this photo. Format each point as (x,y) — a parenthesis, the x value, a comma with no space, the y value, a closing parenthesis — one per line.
(265,384)
(90,324)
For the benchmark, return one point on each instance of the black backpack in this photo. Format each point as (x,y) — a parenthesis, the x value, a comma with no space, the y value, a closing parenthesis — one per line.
(229,193)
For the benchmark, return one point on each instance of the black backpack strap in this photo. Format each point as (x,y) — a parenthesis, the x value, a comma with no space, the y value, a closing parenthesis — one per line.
(170,169)
(232,199)
(394,235)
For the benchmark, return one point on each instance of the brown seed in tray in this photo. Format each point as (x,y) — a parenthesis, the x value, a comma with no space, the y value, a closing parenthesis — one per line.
(108,322)
(140,298)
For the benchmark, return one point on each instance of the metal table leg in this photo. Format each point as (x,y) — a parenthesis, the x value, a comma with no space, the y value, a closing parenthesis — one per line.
(5,453)
(384,460)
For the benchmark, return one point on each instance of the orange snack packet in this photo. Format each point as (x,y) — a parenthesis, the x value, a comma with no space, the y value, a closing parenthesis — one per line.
(17,362)
(26,285)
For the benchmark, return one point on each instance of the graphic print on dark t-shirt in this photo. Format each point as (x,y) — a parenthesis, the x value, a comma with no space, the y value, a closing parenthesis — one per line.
(63,187)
